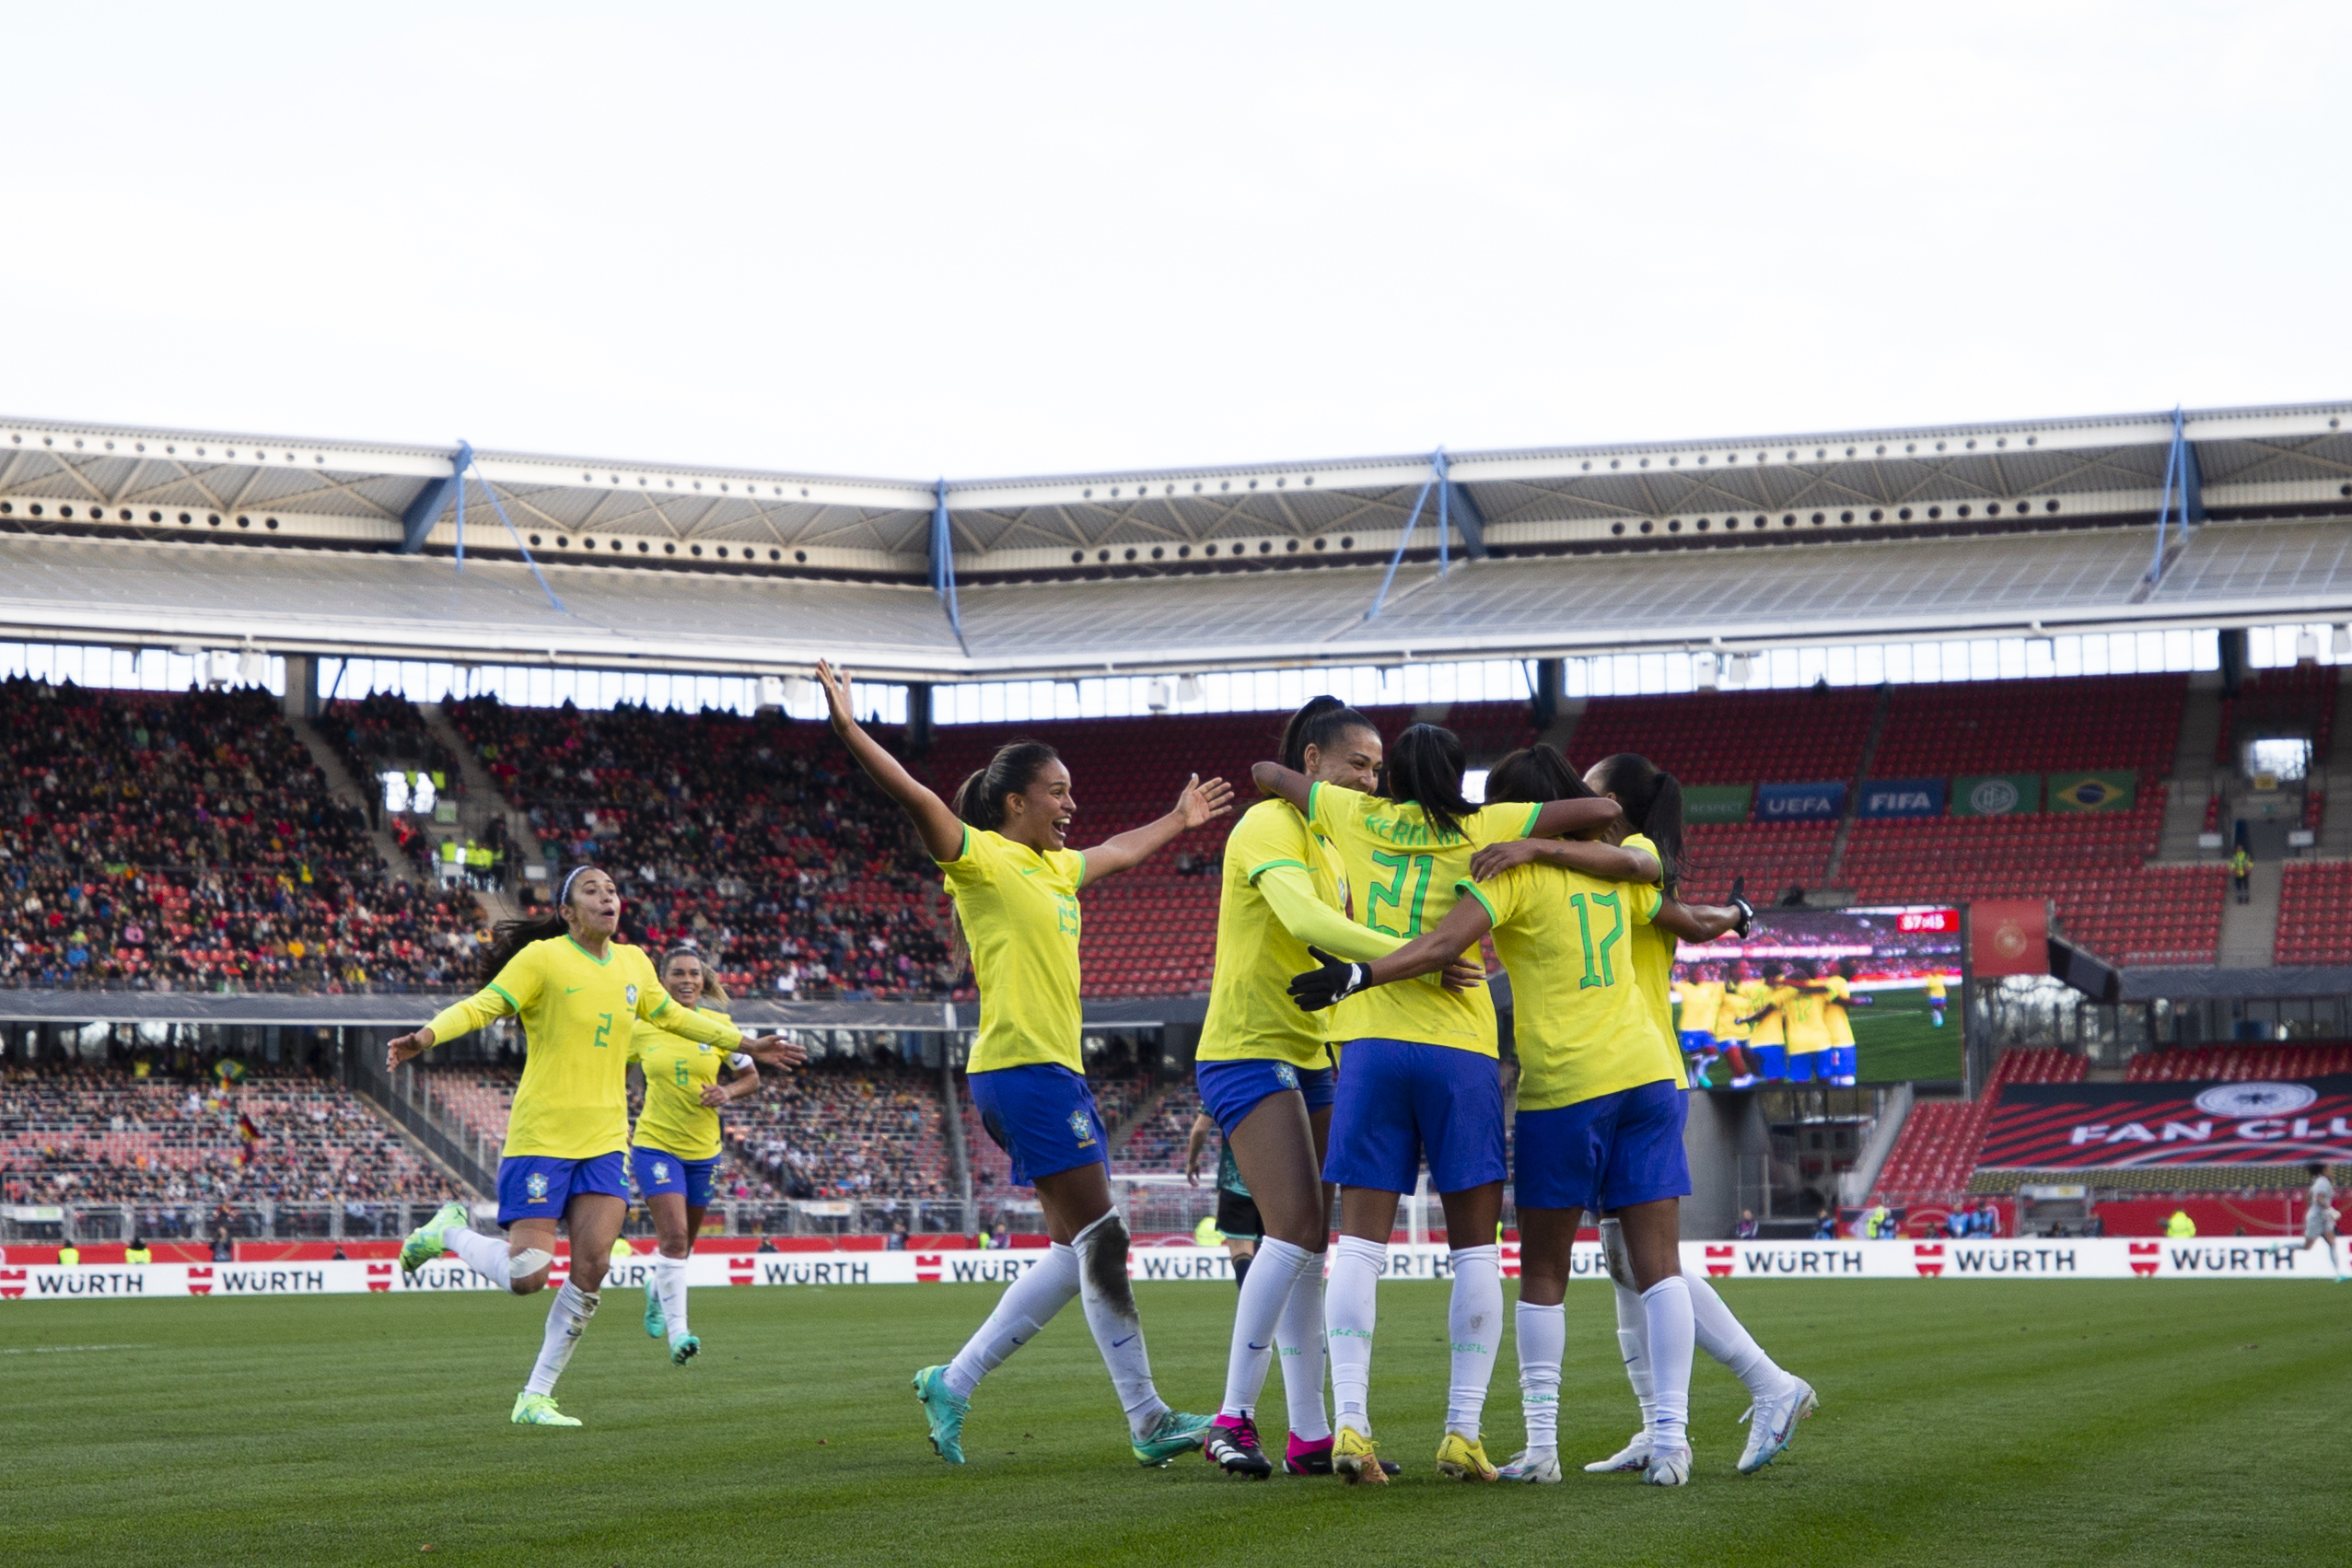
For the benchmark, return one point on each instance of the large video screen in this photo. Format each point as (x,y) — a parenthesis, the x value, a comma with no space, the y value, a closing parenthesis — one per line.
(1887,977)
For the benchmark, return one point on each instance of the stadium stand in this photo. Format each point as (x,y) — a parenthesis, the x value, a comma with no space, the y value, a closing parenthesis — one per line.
(1157,1145)
(1707,737)
(2294,700)
(1998,727)
(382,732)
(2315,913)
(2239,1063)
(91,1134)
(187,843)
(1936,1153)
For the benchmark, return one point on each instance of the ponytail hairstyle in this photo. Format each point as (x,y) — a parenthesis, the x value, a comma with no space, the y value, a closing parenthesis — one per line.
(1424,768)
(980,799)
(712,990)
(513,935)
(1532,775)
(1652,801)
(1319,723)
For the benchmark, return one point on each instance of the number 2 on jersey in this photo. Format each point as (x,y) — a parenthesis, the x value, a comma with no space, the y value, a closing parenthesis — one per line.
(1607,975)
(1392,892)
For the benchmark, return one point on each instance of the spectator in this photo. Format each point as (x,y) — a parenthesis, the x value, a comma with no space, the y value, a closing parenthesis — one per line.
(2241,871)
(1825,1226)
(1746,1229)
(2179,1226)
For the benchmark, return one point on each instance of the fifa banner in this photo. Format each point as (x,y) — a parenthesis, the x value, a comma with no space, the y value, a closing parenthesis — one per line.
(2087,1126)
(1717,802)
(2094,792)
(1901,798)
(1997,795)
(1823,802)
(2113,1258)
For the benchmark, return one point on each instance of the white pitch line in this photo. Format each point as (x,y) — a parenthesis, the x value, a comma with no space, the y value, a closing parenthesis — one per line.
(62,1350)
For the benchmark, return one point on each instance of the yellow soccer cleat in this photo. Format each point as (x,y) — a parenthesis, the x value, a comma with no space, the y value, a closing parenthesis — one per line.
(1463,1459)
(1356,1459)
(538,1409)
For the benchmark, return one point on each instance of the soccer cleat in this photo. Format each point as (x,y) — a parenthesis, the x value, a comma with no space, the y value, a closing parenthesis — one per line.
(1771,1422)
(1634,1456)
(430,1240)
(944,1408)
(538,1409)
(1356,1459)
(1668,1467)
(683,1349)
(1541,1466)
(1463,1459)
(656,1326)
(1232,1447)
(1302,1458)
(1174,1432)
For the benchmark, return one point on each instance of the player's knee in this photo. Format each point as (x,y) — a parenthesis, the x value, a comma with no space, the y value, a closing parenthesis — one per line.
(526,1270)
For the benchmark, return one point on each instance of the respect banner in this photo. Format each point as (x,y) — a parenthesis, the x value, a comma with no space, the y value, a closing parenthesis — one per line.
(1717,802)
(2082,1126)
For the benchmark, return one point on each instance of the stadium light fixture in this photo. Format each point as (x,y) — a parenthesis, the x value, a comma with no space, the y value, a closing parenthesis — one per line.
(1740,669)
(2342,642)
(2307,646)
(1188,691)
(1702,672)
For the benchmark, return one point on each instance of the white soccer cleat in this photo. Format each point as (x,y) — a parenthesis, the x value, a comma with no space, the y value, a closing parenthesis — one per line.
(1669,1467)
(1634,1456)
(1541,1466)
(1771,1422)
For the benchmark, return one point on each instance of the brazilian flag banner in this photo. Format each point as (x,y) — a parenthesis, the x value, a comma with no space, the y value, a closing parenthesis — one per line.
(1996,794)
(2094,792)
(1717,802)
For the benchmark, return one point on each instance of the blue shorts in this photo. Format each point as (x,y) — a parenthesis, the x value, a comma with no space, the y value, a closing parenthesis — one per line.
(1399,1100)
(1697,1040)
(1604,1154)
(1842,1062)
(1230,1090)
(658,1170)
(1805,1066)
(537,1187)
(1043,1116)
(1771,1061)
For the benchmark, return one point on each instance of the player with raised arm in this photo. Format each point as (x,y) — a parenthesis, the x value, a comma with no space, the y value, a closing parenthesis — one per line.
(1005,851)
(1266,1080)
(1420,1075)
(673,1154)
(1838,997)
(2319,1218)
(579,994)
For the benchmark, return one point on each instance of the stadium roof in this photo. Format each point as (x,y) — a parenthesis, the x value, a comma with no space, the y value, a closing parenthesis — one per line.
(145,537)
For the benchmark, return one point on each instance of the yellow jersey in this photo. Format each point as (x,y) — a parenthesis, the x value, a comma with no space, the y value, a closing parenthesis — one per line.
(1702,1000)
(578,1014)
(1653,972)
(1808,1022)
(1583,1027)
(1407,875)
(1251,1014)
(1019,911)
(1934,988)
(677,1070)
(1773,1028)
(1736,1003)
(1836,989)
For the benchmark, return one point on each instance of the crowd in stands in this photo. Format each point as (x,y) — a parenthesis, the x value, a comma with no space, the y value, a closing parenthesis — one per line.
(187,843)
(383,732)
(85,1133)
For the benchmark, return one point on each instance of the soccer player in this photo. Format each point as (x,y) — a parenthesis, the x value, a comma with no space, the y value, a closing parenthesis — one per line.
(1801,1004)
(1005,851)
(574,987)
(1837,997)
(674,1152)
(1236,1224)
(1421,1074)
(1701,1001)
(2319,1218)
(1762,1012)
(1935,998)
(1266,1080)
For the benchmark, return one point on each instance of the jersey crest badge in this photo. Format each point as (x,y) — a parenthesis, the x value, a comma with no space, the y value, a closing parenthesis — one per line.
(1285,1075)
(630,992)
(536,1185)
(1082,1128)
(661,1170)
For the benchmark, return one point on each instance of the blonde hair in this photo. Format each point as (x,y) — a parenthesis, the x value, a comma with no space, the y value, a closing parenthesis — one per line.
(712,990)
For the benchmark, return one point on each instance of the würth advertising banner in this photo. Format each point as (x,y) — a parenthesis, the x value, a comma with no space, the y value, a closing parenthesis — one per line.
(2071,1126)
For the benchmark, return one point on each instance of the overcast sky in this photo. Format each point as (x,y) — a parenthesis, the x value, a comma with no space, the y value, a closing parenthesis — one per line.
(983,240)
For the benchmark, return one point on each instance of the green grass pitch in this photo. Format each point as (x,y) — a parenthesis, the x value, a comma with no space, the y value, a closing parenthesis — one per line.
(1962,1423)
(1895,1039)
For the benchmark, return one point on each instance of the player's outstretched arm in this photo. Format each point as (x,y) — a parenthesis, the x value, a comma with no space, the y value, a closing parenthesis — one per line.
(1611,863)
(1558,816)
(1201,803)
(940,829)
(1461,930)
(400,1050)
(1282,784)
(1703,923)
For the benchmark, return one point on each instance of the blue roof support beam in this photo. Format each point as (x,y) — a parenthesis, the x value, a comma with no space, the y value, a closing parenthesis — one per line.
(2182,476)
(1468,518)
(431,501)
(943,563)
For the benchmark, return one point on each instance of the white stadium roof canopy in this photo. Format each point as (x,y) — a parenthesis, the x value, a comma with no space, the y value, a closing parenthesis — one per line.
(161,538)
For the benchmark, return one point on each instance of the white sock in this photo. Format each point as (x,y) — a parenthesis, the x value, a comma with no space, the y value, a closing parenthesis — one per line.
(1300,1338)
(1633,1342)
(484,1255)
(669,1283)
(1474,1324)
(1027,1306)
(1542,1340)
(1109,1302)
(1667,1303)
(1351,1306)
(1264,1293)
(568,1315)
(1723,1337)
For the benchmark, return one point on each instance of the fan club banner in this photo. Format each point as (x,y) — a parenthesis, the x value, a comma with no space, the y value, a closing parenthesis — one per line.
(2086,1126)
(2114,1258)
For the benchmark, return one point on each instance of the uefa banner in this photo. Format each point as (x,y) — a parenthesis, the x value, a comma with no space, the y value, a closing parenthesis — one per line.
(2112,1257)
(2080,1126)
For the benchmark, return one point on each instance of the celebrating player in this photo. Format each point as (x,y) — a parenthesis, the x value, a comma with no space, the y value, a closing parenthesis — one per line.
(1421,1074)
(2319,1218)
(1700,999)
(573,985)
(1014,882)
(1837,996)
(1266,1080)
(674,1151)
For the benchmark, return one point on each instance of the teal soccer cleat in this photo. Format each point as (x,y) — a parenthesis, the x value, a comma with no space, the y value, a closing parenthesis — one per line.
(656,1326)
(683,1349)
(945,1410)
(430,1240)
(1174,1433)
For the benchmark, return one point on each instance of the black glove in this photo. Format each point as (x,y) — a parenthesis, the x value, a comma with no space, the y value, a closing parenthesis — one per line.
(1747,913)
(1320,988)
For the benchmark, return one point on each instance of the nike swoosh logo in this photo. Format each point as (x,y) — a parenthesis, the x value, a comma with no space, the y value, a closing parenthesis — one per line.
(1028,870)
(1116,1344)
(1254,1345)
(569,989)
